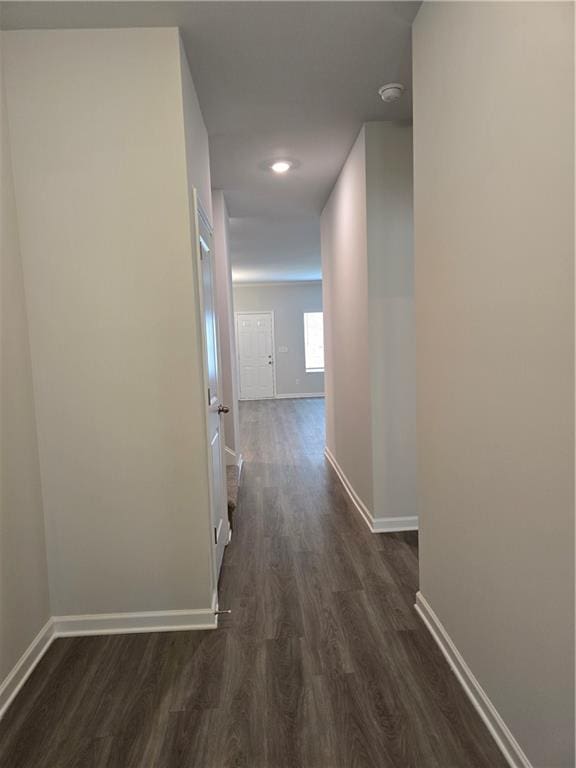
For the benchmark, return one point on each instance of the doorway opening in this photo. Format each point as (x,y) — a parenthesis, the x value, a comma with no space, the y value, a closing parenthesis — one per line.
(279,339)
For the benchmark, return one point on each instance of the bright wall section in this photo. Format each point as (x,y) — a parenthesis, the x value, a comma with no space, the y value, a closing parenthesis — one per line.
(367,267)
(289,301)
(494,243)
(107,144)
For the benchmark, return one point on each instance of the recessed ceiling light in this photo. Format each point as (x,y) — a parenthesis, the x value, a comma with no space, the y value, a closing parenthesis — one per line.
(391,92)
(281,166)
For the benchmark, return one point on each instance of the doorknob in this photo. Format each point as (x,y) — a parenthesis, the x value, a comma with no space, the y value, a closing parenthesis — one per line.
(223,409)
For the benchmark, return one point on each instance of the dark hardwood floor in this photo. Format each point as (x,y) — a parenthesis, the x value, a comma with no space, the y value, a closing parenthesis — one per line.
(323,662)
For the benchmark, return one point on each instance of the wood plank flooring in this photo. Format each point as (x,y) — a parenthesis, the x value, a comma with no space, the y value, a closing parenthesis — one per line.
(323,662)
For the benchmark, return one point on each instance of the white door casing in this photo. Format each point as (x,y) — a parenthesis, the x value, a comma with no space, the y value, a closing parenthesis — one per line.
(255,350)
(216,456)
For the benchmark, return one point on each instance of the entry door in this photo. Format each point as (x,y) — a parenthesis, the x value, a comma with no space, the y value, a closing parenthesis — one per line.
(255,342)
(219,502)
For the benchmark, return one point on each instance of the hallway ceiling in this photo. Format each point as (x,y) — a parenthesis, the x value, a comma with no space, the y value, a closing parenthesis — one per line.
(274,79)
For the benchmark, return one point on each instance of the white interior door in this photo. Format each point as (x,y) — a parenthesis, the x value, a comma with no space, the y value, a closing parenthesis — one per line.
(215,408)
(255,343)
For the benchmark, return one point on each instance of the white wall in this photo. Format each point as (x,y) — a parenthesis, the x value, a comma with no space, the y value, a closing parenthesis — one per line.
(288,301)
(196,136)
(494,241)
(389,208)
(226,329)
(24,599)
(367,266)
(97,120)
(346,325)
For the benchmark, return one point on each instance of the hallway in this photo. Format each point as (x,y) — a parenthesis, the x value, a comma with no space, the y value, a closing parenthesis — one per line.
(334,239)
(338,669)
(322,664)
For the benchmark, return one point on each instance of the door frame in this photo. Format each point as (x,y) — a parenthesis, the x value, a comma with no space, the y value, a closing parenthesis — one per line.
(256,312)
(197,212)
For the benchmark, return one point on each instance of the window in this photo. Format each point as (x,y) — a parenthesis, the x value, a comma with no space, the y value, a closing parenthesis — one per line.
(314,341)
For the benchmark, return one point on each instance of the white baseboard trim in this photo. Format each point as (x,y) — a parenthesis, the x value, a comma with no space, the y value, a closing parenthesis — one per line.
(100,624)
(354,498)
(391,524)
(502,735)
(378,524)
(232,457)
(130,623)
(300,394)
(25,665)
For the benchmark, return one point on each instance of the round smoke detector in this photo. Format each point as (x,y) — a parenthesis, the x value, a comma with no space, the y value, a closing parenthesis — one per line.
(391,92)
